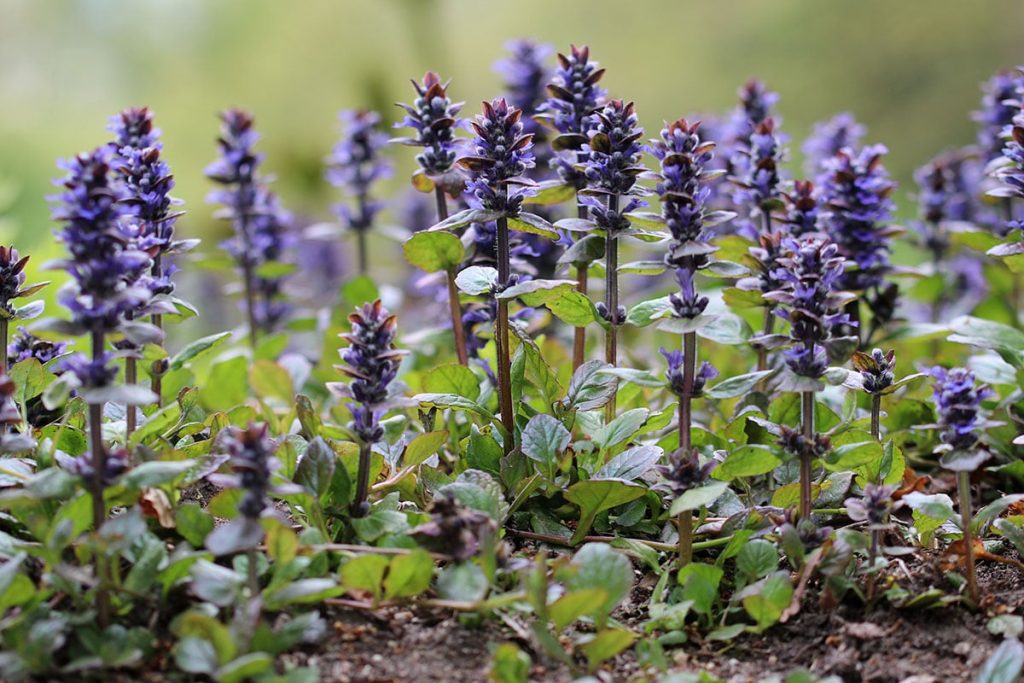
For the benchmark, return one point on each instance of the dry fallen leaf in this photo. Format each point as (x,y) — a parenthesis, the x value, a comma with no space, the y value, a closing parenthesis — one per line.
(155,504)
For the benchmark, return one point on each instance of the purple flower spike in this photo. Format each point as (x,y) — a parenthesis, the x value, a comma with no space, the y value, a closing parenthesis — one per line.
(856,191)
(828,138)
(501,155)
(760,179)
(574,96)
(958,399)
(434,119)
(999,104)
(687,303)
(356,165)
(684,190)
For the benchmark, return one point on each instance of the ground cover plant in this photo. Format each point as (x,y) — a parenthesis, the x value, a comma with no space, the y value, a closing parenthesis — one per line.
(761,420)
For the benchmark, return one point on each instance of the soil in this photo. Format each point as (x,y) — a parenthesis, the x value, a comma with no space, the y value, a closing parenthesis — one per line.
(921,645)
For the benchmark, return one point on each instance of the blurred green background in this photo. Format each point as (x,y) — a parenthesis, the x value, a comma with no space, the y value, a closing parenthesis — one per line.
(909,70)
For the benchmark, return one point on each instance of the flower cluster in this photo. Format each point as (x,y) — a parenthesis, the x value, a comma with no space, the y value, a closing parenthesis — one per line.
(101,262)
(526,74)
(574,95)
(877,369)
(434,118)
(356,164)
(958,399)
(686,303)
(803,210)
(252,460)
(764,261)
(683,472)
(794,442)
(501,155)
(12,280)
(26,345)
(147,183)
(856,190)
(756,104)
(759,182)
(260,225)
(613,164)
(684,189)
(1011,173)
(828,138)
(999,104)
(674,374)
(116,463)
(454,529)
(811,271)
(372,361)
(873,507)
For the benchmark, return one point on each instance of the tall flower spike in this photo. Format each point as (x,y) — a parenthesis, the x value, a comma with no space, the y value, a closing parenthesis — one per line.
(803,210)
(947,190)
(828,138)
(756,105)
(857,193)
(434,118)
(356,164)
(760,179)
(100,261)
(999,104)
(810,301)
(613,164)
(958,399)
(371,361)
(684,190)
(501,155)
(574,95)
(525,74)
(1011,174)
(258,221)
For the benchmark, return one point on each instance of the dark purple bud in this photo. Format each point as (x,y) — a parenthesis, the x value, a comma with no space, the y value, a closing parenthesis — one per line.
(372,361)
(434,118)
(796,444)
(876,369)
(26,345)
(873,507)
(686,303)
(454,529)
(803,210)
(501,155)
(683,472)
(116,463)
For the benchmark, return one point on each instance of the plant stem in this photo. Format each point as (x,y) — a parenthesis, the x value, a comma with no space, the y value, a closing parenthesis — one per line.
(876,415)
(156,376)
(4,331)
(611,301)
(685,518)
(872,556)
(501,340)
(964,491)
(363,482)
(769,325)
(131,376)
(254,578)
(454,309)
(99,510)
(807,417)
(579,340)
(564,542)
(250,303)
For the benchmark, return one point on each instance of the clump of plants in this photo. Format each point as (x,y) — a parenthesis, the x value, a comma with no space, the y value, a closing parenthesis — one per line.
(739,427)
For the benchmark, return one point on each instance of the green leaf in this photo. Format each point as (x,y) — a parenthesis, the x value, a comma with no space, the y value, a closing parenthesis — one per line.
(434,251)
(197,349)
(510,664)
(544,439)
(302,592)
(226,386)
(643,267)
(727,328)
(757,559)
(1006,340)
(646,312)
(422,447)
(572,307)
(700,585)
(694,499)
(30,379)
(464,582)
(316,468)
(156,473)
(594,496)
(270,380)
(453,378)
(365,573)
(598,565)
(605,645)
(452,401)
(621,429)
(195,655)
(533,224)
(408,575)
(551,192)
(477,280)
(631,464)
(1004,664)
(575,604)
(193,523)
(537,292)
(740,385)
(589,388)
(850,456)
(766,600)
(747,461)
(247,667)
